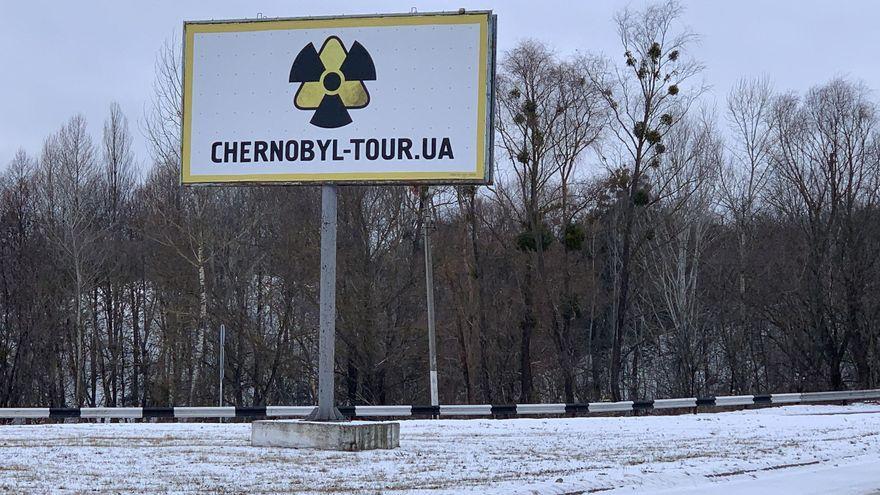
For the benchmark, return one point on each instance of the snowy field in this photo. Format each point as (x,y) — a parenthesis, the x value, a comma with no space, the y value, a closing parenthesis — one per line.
(796,449)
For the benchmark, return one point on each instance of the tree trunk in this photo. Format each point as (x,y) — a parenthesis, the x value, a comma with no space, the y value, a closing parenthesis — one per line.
(527,327)
(620,322)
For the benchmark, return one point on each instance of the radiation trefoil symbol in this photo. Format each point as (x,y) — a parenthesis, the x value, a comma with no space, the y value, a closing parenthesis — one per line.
(332,81)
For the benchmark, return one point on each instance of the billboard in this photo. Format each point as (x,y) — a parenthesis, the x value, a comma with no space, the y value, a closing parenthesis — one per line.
(360,99)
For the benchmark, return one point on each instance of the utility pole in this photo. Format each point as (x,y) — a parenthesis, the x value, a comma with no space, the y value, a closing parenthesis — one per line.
(222,360)
(429,285)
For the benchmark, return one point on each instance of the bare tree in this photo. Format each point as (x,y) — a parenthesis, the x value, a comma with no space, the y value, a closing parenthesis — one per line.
(163,120)
(647,97)
(825,171)
(680,230)
(584,116)
(118,183)
(530,113)
(68,185)
(743,183)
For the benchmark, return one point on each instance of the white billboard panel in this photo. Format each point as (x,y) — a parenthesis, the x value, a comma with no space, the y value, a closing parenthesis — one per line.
(403,99)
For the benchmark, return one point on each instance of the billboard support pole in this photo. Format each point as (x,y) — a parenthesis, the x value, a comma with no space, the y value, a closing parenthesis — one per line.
(326,410)
(429,283)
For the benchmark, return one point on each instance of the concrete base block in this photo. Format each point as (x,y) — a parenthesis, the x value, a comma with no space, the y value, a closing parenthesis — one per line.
(342,435)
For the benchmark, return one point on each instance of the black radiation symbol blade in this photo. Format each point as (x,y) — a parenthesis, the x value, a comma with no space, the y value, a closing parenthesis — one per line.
(331,113)
(308,66)
(358,65)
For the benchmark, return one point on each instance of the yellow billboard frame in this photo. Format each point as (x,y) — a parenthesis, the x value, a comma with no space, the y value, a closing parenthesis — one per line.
(485,87)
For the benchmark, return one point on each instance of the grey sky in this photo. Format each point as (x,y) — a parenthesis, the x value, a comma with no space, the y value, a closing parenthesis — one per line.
(60,58)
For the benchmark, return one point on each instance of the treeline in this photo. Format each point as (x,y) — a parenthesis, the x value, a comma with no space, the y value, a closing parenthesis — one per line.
(633,245)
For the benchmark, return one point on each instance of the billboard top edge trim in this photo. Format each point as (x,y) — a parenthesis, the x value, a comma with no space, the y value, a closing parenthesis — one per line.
(350,17)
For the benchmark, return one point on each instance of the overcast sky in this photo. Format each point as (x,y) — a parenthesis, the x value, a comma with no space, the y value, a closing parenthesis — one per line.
(59,58)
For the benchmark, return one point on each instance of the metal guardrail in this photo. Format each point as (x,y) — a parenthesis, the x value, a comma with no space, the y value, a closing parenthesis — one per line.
(452,410)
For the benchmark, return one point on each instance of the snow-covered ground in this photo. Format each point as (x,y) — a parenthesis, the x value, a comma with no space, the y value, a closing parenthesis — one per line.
(797,449)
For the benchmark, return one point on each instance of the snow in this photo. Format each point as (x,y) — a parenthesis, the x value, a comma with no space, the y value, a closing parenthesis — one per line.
(794,449)
(852,477)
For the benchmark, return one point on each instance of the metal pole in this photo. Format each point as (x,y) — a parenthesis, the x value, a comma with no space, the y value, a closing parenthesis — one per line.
(326,410)
(429,283)
(222,360)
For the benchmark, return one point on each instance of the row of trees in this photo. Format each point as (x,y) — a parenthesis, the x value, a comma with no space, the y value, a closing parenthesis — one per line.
(633,245)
